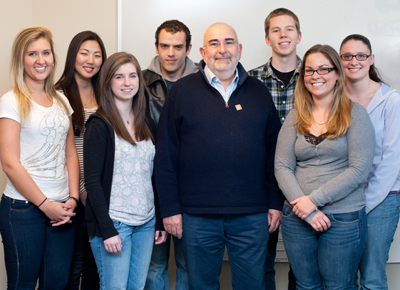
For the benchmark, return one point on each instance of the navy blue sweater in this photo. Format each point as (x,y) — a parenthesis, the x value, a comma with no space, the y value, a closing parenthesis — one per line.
(213,159)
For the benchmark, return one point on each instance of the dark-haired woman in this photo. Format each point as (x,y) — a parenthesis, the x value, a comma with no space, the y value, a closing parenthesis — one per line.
(365,86)
(79,82)
(323,155)
(118,157)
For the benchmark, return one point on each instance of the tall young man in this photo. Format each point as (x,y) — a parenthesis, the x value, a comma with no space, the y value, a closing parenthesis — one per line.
(279,74)
(171,63)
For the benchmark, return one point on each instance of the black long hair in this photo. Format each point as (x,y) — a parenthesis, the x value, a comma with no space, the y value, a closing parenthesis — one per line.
(67,81)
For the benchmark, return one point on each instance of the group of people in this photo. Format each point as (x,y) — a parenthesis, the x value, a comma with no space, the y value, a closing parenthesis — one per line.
(108,163)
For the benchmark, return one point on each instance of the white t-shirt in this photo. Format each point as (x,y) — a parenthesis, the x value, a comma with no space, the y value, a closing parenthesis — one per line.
(42,146)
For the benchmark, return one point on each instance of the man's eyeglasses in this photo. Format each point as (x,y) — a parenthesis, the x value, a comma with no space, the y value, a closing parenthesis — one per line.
(360,57)
(320,71)
(217,44)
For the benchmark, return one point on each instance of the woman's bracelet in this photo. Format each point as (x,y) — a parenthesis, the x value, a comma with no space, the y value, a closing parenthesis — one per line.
(42,202)
(75,199)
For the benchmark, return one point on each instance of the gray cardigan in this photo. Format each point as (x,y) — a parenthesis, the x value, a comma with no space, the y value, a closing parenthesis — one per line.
(333,172)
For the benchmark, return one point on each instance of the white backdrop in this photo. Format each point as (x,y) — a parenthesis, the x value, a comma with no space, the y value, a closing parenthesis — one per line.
(321,21)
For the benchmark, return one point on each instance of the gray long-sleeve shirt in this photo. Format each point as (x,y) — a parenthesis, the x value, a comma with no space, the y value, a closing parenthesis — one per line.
(331,173)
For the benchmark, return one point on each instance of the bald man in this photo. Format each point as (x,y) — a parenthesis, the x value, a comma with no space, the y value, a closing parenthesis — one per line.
(214,165)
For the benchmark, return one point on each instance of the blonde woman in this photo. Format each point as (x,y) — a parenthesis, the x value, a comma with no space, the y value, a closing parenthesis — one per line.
(324,152)
(38,155)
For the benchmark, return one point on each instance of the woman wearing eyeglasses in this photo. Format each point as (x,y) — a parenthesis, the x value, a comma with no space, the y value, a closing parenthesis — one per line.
(365,86)
(323,155)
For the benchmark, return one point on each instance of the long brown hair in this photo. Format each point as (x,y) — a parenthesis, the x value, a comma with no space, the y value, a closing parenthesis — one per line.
(373,72)
(107,108)
(24,99)
(339,119)
(68,84)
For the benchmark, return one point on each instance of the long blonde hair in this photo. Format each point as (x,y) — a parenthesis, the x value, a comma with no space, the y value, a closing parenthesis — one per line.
(21,90)
(339,119)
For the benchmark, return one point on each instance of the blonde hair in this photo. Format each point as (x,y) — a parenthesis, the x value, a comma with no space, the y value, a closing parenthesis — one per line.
(339,119)
(24,99)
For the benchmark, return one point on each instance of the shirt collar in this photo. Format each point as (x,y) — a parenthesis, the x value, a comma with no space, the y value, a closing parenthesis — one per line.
(270,72)
(211,77)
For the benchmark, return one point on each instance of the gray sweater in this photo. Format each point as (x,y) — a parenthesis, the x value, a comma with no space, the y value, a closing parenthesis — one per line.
(333,172)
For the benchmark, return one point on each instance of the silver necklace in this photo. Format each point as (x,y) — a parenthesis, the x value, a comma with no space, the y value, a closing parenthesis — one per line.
(319,123)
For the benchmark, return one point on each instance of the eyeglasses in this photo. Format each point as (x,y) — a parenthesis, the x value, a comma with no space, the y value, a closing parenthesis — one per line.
(217,44)
(360,57)
(320,71)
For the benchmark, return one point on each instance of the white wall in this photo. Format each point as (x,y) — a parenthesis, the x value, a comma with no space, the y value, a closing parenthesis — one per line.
(321,21)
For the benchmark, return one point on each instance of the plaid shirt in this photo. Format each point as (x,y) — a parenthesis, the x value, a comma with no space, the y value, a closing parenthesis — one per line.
(282,97)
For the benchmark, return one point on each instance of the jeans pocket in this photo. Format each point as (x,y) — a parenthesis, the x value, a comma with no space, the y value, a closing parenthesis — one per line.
(287,211)
(21,205)
(346,218)
(117,224)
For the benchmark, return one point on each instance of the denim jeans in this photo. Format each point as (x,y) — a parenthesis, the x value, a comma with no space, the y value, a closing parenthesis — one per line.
(382,223)
(33,248)
(327,260)
(83,263)
(269,275)
(127,270)
(203,243)
(157,278)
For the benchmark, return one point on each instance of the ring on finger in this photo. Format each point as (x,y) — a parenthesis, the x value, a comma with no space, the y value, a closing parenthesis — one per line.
(297,212)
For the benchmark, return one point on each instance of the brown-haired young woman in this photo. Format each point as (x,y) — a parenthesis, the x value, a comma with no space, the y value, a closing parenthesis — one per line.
(118,159)
(365,86)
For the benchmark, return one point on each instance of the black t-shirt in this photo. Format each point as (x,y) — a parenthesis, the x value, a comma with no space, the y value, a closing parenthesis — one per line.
(285,77)
(169,84)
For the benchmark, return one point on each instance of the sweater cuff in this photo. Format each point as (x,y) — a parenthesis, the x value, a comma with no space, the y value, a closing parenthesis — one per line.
(320,197)
(310,217)
(171,210)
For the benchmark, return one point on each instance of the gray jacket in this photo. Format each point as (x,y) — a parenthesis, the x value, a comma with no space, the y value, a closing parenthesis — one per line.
(331,173)
(156,88)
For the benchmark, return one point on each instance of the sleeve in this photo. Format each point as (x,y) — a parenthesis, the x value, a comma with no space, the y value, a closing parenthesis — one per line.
(167,159)
(71,111)
(159,223)
(275,196)
(387,171)
(81,186)
(9,107)
(285,160)
(361,147)
(95,146)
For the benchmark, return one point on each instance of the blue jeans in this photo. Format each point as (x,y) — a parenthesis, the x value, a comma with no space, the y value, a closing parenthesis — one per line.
(203,243)
(157,278)
(382,224)
(83,263)
(127,270)
(327,260)
(33,248)
(269,269)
